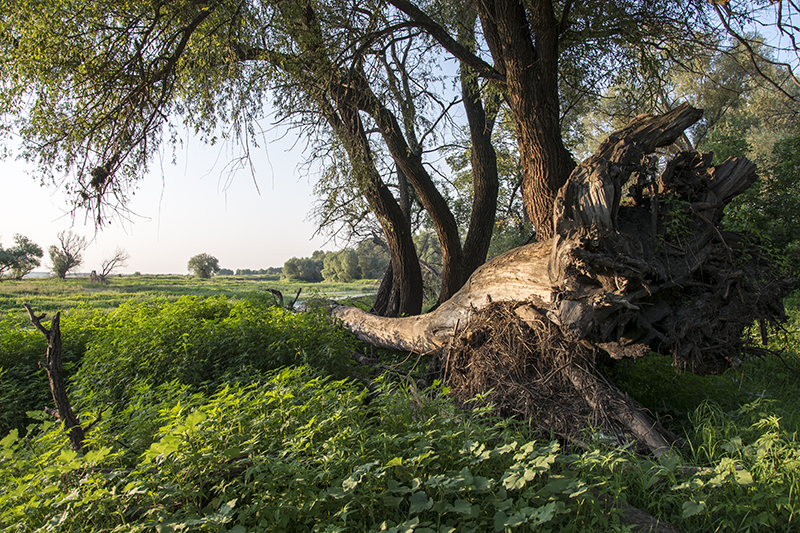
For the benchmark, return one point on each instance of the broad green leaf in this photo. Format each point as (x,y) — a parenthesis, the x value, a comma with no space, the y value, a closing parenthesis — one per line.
(462,507)
(397,461)
(419,502)
(194,419)
(692,508)
(10,439)
(95,456)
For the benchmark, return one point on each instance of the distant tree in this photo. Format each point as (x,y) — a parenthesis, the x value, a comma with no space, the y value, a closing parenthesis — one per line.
(341,266)
(67,254)
(203,265)
(305,268)
(20,259)
(373,258)
(118,260)
(225,272)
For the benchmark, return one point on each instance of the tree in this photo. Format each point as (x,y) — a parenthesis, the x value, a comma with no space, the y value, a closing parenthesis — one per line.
(203,265)
(604,278)
(341,266)
(771,209)
(67,254)
(305,268)
(20,259)
(606,286)
(118,260)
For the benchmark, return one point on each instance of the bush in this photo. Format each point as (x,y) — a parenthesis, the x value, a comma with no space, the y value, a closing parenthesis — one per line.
(23,385)
(299,452)
(203,342)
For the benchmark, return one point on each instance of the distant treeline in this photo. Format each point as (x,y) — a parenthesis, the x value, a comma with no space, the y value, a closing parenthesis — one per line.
(368,260)
(271,271)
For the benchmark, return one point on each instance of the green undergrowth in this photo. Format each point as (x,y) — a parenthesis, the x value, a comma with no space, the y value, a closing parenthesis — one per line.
(193,341)
(297,452)
(222,414)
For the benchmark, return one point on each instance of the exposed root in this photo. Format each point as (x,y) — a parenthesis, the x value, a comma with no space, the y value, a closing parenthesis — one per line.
(514,358)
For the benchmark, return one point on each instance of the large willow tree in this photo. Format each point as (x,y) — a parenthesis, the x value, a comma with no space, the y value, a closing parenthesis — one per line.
(94,89)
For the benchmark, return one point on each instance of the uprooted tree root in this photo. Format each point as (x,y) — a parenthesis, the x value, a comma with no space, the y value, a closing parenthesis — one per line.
(512,357)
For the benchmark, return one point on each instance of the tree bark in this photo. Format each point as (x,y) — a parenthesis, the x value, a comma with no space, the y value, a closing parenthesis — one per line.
(409,160)
(525,50)
(483,160)
(401,290)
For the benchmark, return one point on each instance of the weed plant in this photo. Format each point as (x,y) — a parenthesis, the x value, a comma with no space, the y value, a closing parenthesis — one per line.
(193,341)
(298,452)
(221,414)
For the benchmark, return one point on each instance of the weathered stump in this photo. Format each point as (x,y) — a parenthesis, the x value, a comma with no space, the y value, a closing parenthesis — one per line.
(54,368)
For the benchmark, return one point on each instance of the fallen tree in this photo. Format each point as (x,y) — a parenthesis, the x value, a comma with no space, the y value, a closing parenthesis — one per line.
(617,280)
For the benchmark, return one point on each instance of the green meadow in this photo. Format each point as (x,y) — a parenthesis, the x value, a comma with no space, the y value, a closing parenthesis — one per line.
(210,408)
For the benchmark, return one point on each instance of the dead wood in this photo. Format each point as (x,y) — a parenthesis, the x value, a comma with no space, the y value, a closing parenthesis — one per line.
(638,262)
(54,368)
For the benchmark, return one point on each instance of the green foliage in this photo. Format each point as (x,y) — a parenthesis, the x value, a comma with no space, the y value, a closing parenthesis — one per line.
(52,295)
(20,259)
(202,342)
(23,385)
(341,266)
(305,268)
(373,258)
(297,453)
(770,209)
(196,434)
(203,265)
(67,254)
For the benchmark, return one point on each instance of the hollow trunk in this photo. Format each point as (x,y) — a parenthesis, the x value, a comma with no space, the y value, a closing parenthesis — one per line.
(616,280)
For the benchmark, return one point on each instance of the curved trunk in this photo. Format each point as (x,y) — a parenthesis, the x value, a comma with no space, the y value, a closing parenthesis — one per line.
(401,290)
(410,163)
(483,159)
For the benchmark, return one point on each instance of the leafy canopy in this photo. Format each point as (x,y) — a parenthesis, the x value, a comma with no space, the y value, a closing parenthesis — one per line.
(203,265)
(21,258)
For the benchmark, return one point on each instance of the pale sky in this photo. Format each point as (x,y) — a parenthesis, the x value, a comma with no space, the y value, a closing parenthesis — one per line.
(182,210)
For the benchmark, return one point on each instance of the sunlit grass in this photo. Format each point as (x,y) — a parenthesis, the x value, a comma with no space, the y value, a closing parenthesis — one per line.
(50,295)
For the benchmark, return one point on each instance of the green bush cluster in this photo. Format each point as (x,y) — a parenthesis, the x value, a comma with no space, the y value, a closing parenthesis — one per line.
(23,385)
(297,452)
(202,343)
(194,341)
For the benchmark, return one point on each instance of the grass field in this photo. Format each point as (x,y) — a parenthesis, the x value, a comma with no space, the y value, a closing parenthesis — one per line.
(50,294)
(218,411)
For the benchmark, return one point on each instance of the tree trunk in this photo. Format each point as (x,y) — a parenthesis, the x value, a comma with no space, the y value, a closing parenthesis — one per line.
(525,50)
(409,161)
(63,410)
(483,160)
(616,280)
(401,289)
